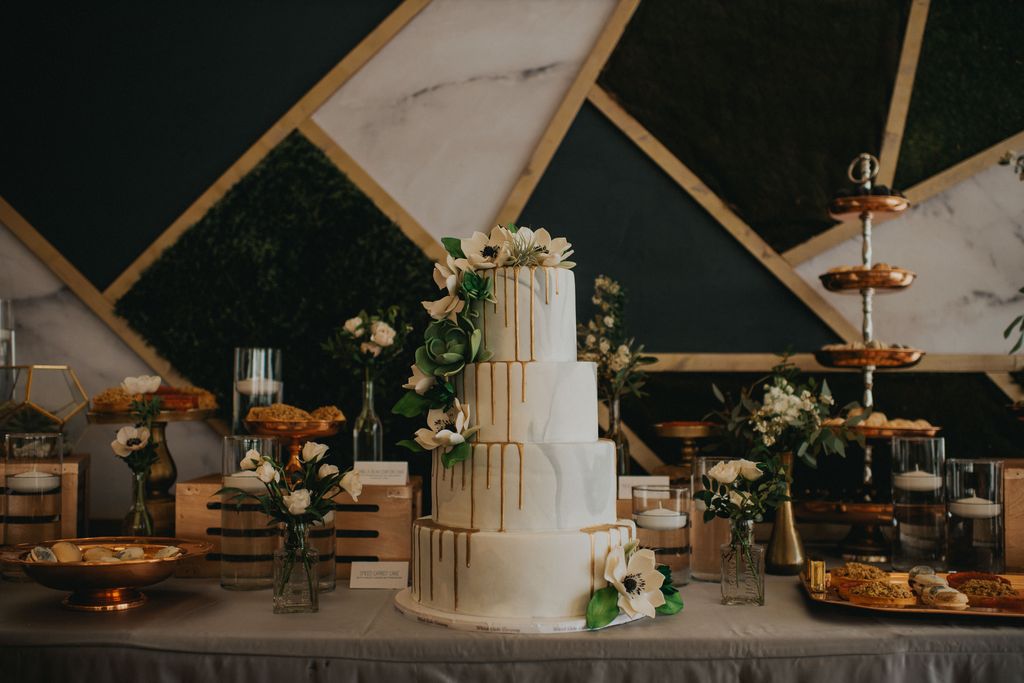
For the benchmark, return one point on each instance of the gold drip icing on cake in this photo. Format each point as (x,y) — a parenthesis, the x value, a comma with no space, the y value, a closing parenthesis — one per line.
(531,313)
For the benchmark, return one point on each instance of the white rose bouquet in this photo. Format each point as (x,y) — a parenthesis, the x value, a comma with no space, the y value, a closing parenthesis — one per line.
(296,499)
(367,341)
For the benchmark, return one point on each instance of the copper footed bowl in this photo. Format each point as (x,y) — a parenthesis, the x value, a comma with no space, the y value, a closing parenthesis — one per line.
(105,586)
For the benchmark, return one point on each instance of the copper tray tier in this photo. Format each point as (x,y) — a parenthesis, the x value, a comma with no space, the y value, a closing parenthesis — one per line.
(684,429)
(296,432)
(871,432)
(831,597)
(862,358)
(101,586)
(842,208)
(882,280)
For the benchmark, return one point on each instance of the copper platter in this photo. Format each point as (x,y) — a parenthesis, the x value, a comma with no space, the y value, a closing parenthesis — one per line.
(860,358)
(683,429)
(831,597)
(882,280)
(845,207)
(871,432)
(116,418)
(102,586)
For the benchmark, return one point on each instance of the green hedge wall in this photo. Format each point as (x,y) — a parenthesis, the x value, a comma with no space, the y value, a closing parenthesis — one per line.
(288,254)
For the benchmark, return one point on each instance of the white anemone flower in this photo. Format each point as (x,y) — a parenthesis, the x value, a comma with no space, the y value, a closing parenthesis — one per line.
(447,276)
(638,581)
(420,382)
(553,252)
(251,460)
(313,451)
(143,384)
(445,428)
(484,252)
(129,440)
(297,501)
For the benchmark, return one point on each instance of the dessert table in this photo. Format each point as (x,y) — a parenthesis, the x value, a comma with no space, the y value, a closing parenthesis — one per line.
(191,629)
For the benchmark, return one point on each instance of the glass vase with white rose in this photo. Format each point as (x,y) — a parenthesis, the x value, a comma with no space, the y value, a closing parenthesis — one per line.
(135,446)
(742,491)
(603,340)
(365,343)
(296,500)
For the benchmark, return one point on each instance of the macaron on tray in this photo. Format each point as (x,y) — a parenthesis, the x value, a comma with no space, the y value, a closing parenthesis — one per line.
(923,590)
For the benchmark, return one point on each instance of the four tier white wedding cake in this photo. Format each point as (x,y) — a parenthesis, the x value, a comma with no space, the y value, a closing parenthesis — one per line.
(524,514)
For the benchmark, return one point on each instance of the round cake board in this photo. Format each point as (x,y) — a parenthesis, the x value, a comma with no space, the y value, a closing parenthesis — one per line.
(467,622)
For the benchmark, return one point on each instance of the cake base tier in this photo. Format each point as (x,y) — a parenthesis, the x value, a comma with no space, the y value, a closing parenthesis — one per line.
(527,487)
(408,606)
(513,575)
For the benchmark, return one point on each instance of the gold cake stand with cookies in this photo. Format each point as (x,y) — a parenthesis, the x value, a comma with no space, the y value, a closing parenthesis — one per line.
(294,426)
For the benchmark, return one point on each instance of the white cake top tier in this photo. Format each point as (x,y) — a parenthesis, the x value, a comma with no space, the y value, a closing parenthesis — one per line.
(534,314)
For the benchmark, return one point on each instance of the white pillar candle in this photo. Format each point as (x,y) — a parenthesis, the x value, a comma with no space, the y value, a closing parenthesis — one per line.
(245,480)
(974,507)
(917,481)
(257,386)
(660,519)
(33,482)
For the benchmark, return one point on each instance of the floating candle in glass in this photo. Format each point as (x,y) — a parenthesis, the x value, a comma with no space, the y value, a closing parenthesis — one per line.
(33,482)
(662,516)
(660,519)
(916,480)
(974,507)
(974,491)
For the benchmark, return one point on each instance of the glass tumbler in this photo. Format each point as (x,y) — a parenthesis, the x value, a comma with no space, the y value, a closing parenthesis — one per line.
(33,464)
(919,510)
(662,517)
(257,382)
(707,538)
(974,504)
(247,543)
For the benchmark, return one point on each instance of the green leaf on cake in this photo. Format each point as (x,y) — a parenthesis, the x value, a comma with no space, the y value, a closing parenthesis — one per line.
(411,405)
(453,245)
(456,454)
(411,445)
(603,607)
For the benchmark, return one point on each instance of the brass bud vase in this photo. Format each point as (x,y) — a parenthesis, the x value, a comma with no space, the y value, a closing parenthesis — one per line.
(785,549)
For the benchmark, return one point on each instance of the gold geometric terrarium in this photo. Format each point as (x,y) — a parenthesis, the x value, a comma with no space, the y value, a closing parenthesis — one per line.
(39,398)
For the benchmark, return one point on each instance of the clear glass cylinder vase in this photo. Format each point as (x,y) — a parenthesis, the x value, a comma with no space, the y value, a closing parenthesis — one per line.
(322,538)
(742,567)
(367,430)
(615,433)
(296,586)
(138,521)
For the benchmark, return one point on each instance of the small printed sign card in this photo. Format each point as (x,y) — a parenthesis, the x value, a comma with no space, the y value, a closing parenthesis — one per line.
(379,575)
(626,484)
(383,473)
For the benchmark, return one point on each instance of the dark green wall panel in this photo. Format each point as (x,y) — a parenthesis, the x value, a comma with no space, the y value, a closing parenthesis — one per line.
(692,286)
(969,88)
(766,101)
(118,115)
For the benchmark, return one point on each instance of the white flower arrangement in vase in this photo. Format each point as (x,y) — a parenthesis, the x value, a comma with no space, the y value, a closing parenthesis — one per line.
(135,446)
(296,500)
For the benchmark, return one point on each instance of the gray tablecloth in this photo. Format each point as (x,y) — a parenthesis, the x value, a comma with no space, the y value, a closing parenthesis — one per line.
(191,630)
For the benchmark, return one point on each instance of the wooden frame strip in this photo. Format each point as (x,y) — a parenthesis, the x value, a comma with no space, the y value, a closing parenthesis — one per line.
(926,189)
(711,203)
(377,194)
(300,111)
(574,98)
(899,103)
(762,362)
(90,296)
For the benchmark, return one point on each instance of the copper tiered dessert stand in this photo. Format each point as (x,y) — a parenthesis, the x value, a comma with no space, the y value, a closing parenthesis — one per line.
(869,203)
(295,433)
(690,432)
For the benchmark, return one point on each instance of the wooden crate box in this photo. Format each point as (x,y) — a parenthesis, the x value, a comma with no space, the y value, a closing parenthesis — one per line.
(74,503)
(377,528)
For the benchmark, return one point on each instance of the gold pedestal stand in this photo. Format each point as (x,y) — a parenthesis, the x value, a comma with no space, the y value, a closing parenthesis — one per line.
(690,432)
(295,434)
(162,473)
(865,542)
